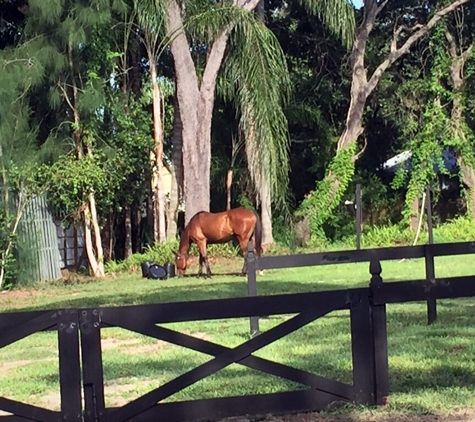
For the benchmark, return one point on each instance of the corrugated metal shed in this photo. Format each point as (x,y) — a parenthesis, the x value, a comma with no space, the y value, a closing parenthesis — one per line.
(38,231)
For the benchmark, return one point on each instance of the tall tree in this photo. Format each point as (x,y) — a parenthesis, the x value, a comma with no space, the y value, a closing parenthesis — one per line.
(196,94)
(71,30)
(152,24)
(319,205)
(459,37)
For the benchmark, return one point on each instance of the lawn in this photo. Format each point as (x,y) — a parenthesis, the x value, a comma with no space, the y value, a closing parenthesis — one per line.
(432,368)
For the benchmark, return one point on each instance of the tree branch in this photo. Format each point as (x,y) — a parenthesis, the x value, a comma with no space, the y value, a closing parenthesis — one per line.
(381,6)
(66,97)
(218,49)
(404,49)
(179,44)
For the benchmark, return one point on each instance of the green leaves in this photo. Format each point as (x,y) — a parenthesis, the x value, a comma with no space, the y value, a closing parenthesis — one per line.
(318,206)
(256,78)
(337,15)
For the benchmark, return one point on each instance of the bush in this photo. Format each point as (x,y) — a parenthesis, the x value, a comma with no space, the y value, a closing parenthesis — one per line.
(457,230)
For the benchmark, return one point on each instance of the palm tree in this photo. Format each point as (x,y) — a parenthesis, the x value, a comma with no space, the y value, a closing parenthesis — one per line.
(226,37)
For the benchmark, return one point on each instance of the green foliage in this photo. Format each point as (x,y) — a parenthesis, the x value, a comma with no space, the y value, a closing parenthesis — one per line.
(427,125)
(390,235)
(460,229)
(256,79)
(72,181)
(163,253)
(158,254)
(337,15)
(7,219)
(319,205)
(244,201)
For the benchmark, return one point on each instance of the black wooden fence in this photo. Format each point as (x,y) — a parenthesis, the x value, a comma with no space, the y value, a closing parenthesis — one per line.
(428,252)
(80,356)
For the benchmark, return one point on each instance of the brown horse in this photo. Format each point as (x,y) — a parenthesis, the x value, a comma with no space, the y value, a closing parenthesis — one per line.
(206,227)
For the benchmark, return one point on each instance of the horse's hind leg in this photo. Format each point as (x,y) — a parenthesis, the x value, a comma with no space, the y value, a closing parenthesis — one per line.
(243,246)
(200,269)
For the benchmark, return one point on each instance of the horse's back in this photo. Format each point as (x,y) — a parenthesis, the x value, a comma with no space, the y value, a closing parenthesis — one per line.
(222,226)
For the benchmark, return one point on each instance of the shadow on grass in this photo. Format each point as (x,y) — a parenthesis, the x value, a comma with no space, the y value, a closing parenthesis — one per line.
(161,293)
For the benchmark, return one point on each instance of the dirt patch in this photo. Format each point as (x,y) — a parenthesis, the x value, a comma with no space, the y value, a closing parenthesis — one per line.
(7,295)
(7,366)
(113,343)
(51,400)
(117,394)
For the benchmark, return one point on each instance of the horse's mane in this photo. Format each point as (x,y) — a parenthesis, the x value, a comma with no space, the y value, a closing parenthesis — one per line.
(185,240)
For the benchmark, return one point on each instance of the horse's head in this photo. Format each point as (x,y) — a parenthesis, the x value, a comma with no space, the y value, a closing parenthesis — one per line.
(182,262)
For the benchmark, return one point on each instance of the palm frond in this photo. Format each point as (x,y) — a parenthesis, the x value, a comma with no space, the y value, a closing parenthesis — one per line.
(257,80)
(151,17)
(337,15)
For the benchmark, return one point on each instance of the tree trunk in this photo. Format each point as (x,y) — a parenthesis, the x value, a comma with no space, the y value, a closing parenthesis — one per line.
(159,228)
(128,231)
(196,101)
(263,185)
(458,82)
(414,221)
(229,184)
(91,224)
(361,87)
(136,226)
(266,213)
(176,171)
(100,272)
(107,238)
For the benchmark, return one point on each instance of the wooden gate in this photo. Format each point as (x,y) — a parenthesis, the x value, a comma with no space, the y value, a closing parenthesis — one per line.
(81,328)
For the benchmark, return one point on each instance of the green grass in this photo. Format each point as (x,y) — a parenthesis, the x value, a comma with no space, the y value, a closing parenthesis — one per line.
(432,368)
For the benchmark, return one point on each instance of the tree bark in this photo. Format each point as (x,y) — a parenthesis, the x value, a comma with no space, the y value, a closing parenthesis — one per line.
(136,229)
(458,81)
(414,220)
(159,229)
(196,102)
(127,230)
(107,238)
(229,184)
(362,86)
(266,213)
(263,185)
(176,171)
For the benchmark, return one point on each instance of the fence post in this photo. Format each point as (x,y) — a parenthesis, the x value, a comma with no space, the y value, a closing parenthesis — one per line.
(93,379)
(380,337)
(69,365)
(359,210)
(429,260)
(252,285)
(362,348)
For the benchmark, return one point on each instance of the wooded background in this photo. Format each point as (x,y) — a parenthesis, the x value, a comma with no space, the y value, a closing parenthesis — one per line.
(130,116)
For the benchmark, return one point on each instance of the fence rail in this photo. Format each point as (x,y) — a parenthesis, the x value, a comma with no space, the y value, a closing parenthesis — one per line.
(364,255)
(428,252)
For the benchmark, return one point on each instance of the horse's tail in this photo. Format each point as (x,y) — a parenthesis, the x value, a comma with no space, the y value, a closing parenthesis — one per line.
(258,235)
